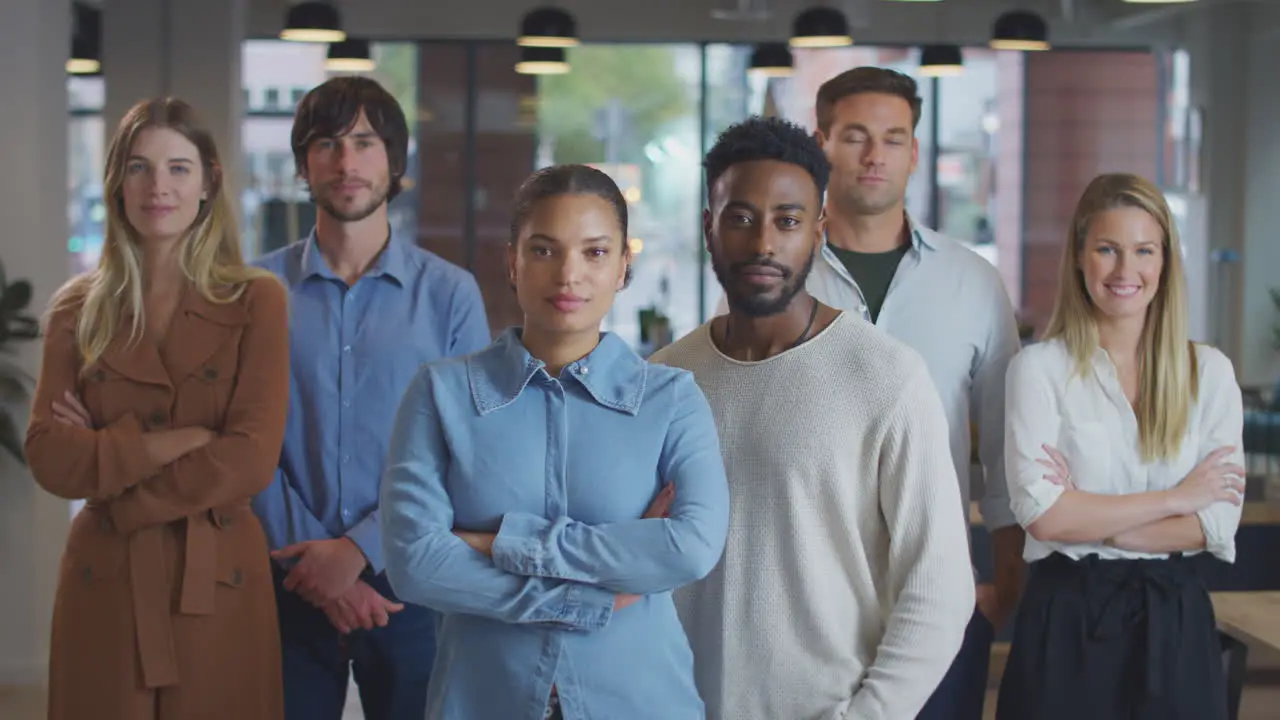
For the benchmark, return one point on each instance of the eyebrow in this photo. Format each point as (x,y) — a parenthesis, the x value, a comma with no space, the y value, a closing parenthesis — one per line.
(548,238)
(859,127)
(187,161)
(744,205)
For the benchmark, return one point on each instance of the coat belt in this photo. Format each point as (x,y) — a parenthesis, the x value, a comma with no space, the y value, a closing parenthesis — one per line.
(150,591)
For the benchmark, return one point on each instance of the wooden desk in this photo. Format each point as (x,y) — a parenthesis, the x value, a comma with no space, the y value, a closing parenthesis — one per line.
(1251,617)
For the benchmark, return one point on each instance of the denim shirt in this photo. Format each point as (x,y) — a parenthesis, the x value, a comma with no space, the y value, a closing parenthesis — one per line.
(561,468)
(353,350)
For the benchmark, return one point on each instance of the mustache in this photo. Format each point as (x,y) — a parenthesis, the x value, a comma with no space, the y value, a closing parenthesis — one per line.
(762,261)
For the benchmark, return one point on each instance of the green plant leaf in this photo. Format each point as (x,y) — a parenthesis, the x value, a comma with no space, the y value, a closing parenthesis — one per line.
(16,297)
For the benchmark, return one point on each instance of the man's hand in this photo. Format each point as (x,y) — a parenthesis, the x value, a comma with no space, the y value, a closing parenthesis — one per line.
(989,605)
(1009,575)
(360,608)
(325,570)
(480,542)
(661,505)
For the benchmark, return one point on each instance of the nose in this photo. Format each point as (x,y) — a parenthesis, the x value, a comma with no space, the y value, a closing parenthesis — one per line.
(568,269)
(346,156)
(761,239)
(872,153)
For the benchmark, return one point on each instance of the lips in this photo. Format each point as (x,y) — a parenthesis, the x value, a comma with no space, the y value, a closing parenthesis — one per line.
(157,210)
(567,303)
(1123,291)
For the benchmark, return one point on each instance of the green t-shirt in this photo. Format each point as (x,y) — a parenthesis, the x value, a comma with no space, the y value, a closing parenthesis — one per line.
(873,272)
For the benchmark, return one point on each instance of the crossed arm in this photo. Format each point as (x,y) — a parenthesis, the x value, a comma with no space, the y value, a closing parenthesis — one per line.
(546,571)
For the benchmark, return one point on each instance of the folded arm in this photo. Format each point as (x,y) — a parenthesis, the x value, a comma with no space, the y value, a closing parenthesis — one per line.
(73,462)
(641,556)
(1050,512)
(929,578)
(1213,528)
(241,461)
(428,565)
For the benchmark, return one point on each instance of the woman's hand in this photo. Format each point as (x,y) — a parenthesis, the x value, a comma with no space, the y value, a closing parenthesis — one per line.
(661,505)
(1213,480)
(1059,473)
(70,411)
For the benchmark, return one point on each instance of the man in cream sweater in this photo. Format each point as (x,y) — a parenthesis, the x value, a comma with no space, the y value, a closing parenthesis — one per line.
(845,587)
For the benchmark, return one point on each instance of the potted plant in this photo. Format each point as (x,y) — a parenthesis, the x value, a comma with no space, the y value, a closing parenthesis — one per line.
(15,383)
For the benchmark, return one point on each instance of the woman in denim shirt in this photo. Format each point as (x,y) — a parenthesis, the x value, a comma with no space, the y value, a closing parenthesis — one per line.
(530,495)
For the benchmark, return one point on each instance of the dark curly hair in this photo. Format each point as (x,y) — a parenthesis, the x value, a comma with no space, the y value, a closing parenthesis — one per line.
(758,138)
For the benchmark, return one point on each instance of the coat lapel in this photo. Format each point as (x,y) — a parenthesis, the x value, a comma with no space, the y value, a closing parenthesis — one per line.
(198,330)
(138,360)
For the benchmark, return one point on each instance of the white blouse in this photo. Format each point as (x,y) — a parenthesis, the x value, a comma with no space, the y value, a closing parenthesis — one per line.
(1089,420)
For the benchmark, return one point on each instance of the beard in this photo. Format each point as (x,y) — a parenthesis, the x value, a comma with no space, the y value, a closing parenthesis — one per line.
(760,304)
(324,200)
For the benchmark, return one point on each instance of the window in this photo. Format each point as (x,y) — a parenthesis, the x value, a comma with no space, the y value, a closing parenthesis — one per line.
(86,152)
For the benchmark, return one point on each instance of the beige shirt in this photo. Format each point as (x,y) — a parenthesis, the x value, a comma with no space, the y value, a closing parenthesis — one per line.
(845,587)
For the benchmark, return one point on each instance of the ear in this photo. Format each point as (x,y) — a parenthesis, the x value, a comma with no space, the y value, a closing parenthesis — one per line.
(511,264)
(820,231)
(915,152)
(820,138)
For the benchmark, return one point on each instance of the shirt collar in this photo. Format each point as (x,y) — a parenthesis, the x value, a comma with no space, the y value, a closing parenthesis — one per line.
(391,263)
(611,373)
(921,236)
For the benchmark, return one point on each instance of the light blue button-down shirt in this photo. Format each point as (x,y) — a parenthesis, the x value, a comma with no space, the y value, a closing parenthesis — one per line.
(353,351)
(561,468)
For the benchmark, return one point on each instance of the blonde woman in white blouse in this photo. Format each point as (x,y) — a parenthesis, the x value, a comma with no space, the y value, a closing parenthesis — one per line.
(1123,456)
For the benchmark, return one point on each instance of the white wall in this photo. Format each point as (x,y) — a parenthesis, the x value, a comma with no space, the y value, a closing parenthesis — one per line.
(1235,51)
(33,245)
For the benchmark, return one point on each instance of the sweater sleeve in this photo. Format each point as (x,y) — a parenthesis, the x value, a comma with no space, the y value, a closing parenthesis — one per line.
(930,583)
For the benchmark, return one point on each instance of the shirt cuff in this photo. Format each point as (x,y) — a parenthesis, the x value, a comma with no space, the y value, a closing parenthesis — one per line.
(519,547)
(368,537)
(587,607)
(1216,542)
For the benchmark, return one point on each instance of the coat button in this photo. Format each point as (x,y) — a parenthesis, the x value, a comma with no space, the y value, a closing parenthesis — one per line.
(210,373)
(100,375)
(224,521)
(237,577)
(104,522)
(87,573)
(157,418)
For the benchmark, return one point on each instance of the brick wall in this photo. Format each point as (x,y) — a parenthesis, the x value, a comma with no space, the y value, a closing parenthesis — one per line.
(1085,113)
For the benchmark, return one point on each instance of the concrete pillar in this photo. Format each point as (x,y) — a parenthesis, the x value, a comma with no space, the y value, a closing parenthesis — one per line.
(187,48)
(34,45)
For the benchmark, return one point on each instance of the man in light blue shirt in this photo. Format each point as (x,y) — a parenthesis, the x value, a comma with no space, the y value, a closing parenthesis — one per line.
(367,309)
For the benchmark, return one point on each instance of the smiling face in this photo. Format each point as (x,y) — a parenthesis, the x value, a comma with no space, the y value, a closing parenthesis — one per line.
(568,263)
(1121,261)
(163,184)
(762,229)
(349,175)
(873,151)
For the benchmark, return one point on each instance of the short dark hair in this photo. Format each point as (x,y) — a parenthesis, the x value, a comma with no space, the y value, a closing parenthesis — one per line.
(559,180)
(866,79)
(332,108)
(758,138)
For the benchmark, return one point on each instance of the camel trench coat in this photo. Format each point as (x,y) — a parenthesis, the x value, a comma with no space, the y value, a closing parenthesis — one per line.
(165,608)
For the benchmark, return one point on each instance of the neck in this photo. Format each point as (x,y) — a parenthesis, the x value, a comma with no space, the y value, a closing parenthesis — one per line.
(756,338)
(350,248)
(161,269)
(879,233)
(558,349)
(1121,338)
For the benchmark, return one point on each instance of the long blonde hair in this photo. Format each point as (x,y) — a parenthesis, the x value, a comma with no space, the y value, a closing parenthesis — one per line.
(1168,382)
(209,253)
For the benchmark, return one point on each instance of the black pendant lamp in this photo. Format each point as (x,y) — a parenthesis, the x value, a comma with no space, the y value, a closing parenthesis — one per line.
(771,60)
(820,27)
(315,22)
(350,55)
(1020,30)
(548,27)
(86,41)
(941,61)
(542,61)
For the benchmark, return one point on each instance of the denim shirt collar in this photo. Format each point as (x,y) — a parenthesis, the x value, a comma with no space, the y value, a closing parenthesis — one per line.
(392,263)
(611,373)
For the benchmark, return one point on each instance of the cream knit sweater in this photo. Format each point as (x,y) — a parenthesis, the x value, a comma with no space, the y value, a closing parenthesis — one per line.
(846,586)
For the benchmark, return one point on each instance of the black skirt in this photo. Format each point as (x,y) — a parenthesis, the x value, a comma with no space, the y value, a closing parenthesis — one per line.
(1114,640)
